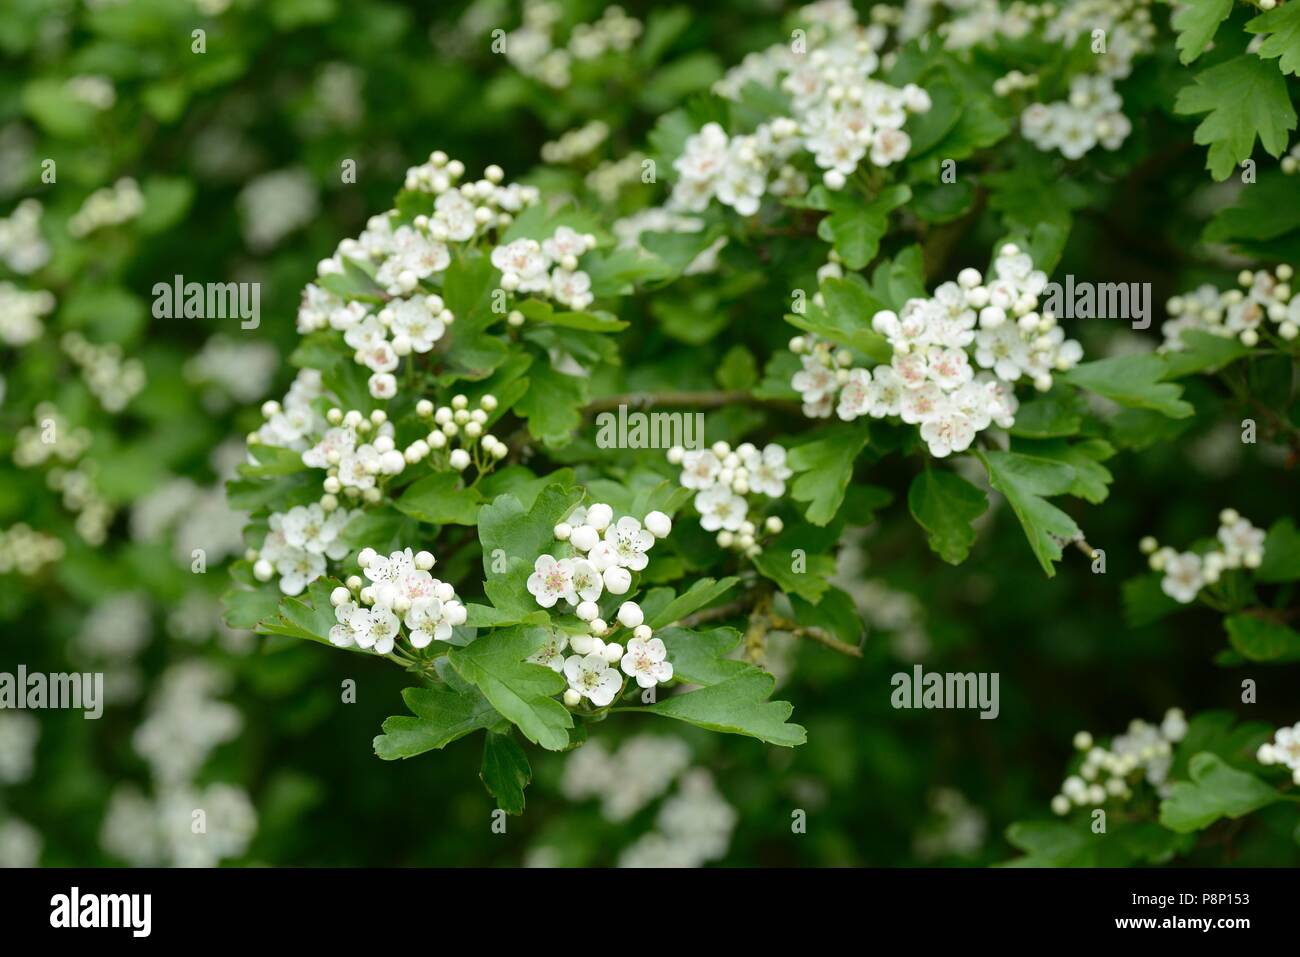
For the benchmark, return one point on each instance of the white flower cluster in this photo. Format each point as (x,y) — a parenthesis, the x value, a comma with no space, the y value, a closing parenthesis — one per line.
(234,370)
(657,219)
(1237,313)
(1290,162)
(19,733)
(958,828)
(186,722)
(1126,25)
(576,143)
(109,206)
(609,177)
(52,441)
(931,380)
(1284,749)
(93,89)
(693,827)
(839,114)
(641,770)
(549,268)
(22,247)
(468,426)
(189,516)
(1074,126)
(297,420)
(115,380)
(20,843)
(21,312)
(1107,773)
(81,496)
(401,591)
(51,438)
(533,50)
(26,551)
(605,554)
(723,479)
(1186,573)
(298,545)
(274,205)
(407,260)
(153,833)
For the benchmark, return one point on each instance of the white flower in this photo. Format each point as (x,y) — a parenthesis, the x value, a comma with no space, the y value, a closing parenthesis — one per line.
(414,319)
(1183,577)
(524,260)
(587,583)
(428,621)
(344,634)
(593,678)
(700,469)
(856,397)
(645,661)
(948,433)
(551,654)
(1241,538)
(551,580)
(630,543)
(768,471)
(298,568)
(890,146)
(572,289)
(375,628)
(814,382)
(720,508)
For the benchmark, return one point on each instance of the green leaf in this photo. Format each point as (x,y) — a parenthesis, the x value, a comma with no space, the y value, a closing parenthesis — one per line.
(703,592)
(1091,478)
(1282,24)
(1265,209)
(856,225)
(441,716)
(824,468)
(1133,381)
(738,369)
(1051,416)
(311,619)
(505,772)
(1196,22)
(438,500)
(509,533)
(1243,98)
(1202,352)
(553,403)
(522,692)
(1260,639)
(1025,480)
(1215,791)
(737,705)
(846,317)
(700,657)
(945,505)
(1281,553)
(539,311)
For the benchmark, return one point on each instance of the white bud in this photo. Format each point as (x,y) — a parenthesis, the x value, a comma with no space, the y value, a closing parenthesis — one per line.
(658,524)
(630,614)
(617,580)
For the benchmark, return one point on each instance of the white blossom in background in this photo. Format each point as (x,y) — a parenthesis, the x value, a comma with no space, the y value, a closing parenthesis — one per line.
(626,780)
(1284,749)
(232,371)
(109,206)
(693,827)
(115,379)
(22,246)
(159,832)
(1185,574)
(957,828)
(1091,116)
(535,49)
(1262,307)
(276,204)
(186,721)
(1144,752)
(19,733)
(20,843)
(22,312)
(957,357)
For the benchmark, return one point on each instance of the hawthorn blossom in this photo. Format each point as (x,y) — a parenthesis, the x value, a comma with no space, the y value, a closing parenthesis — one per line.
(592,678)
(645,661)
(551,580)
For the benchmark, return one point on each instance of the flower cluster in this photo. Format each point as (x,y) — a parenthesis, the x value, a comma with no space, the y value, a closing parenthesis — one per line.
(274,205)
(723,479)
(1237,313)
(110,206)
(1241,545)
(21,312)
(51,441)
(605,553)
(608,178)
(1074,126)
(1284,749)
(692,827)
(26,551)
(22,247)
(931,379)
(549,268)
(298,544)
(1105,773)
(576,143)
(641,770)
(93,89)
(533,50)
(406,261)
(839,114)
(114,379)
(294,420)
(401,592)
